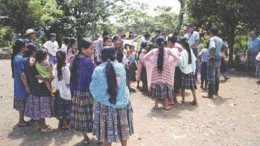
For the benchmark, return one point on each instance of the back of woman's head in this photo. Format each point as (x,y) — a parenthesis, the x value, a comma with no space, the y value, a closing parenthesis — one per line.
(61,57)
(186,46)
(18,46)
(41,55)
(172,39)
(160,43)
(108,54)
(144,44)
(66,40)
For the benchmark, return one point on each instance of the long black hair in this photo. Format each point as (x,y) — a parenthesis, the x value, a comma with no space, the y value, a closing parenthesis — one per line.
(84,43)
(108,54)
(72,41)
(61,57)
(160,43)
(19,44)
(186,46)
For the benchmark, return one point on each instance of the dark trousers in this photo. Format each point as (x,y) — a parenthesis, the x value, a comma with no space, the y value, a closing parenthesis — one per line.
(213,76)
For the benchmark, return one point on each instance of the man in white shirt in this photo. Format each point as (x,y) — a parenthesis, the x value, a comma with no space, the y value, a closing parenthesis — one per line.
(99,46)
(193,38)
(52,47)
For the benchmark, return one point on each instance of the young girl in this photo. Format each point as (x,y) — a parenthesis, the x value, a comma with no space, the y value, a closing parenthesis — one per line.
(113,118)
(187,66)
(107,41)
(44,67)
(172,44)
(82,68)
(70,50)
(160,64)
(62,102)
(21,88)
(131,67)
(203,56)
(141,70)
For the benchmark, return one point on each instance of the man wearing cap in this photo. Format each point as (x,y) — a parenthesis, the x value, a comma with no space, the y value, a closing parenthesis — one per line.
(52,47)
(193,38)
(30,36)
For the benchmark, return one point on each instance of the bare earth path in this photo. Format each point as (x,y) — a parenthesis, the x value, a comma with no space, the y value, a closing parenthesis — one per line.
(231,119)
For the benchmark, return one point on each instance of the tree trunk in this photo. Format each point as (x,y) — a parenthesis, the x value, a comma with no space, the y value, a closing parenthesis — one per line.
(231,44)
(180,20)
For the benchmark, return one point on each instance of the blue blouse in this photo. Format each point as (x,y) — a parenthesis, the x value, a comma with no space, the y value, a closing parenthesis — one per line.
(98,86)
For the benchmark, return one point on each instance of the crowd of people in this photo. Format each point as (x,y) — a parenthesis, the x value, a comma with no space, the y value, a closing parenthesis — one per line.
(88,88)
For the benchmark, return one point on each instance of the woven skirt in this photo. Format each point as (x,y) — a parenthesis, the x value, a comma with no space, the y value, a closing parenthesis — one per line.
(188,81)
(38,107)
(257,72)
(161,91)
(62,107)
(177,80)
(251,61)
(82,112)
(143,74)
(19,104)
(131,75)
(111,124)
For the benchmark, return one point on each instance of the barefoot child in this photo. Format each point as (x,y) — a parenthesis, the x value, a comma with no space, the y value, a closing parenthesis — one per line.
(44,67)
(62,102)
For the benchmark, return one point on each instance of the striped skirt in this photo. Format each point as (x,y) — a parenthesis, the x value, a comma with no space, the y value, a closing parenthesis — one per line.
(161,91)
(177,80)
(143,74)
(38,107)
(62,107)
(19,104)
(251,61)
(188,81)
(111,124)
(82,112)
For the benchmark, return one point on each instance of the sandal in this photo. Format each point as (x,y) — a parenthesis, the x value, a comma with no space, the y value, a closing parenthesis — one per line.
(156,108)
(167,108)
(47,130)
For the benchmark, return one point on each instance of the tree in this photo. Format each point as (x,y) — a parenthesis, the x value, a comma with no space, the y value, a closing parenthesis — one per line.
(232,17)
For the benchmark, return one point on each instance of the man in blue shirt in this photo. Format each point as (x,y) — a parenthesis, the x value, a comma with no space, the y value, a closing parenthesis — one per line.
(21,88)
(214,61)
(253,49)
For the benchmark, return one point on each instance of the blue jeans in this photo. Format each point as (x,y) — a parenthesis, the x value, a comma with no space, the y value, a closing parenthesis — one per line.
(52,59)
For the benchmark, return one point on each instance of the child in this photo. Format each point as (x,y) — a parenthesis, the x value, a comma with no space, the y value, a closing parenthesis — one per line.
(187,66)
(113,118)
(141,70)
(62,102)
(203,56)
(70,50)
(44,67)
(131,66)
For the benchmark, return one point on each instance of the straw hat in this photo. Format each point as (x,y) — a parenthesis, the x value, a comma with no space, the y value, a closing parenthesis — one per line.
(29,31)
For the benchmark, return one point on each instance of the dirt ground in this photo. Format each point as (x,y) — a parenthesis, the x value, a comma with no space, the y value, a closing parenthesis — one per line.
(231,119)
